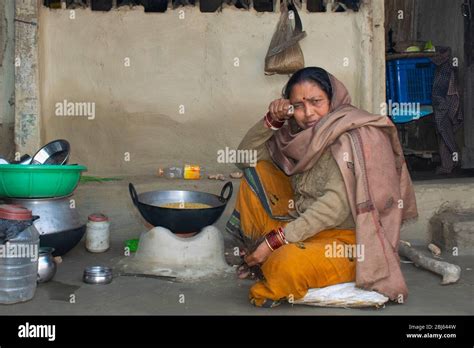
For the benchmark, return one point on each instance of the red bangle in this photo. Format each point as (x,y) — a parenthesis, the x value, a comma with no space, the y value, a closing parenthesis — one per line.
(273,124)
(266,241)
(273,241)
(281,234)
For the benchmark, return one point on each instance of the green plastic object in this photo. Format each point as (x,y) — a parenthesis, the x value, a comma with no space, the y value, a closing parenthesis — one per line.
(38,180)
(413,49)
(132,244)
(429,47)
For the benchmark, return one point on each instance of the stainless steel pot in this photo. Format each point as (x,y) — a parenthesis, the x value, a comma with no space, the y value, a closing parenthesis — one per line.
(46,265)
(59,226)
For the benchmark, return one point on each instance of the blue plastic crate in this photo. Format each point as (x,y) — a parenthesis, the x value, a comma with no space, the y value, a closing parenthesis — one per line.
(410,80)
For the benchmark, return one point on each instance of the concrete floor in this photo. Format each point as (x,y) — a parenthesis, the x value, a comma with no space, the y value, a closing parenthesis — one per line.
(225,295)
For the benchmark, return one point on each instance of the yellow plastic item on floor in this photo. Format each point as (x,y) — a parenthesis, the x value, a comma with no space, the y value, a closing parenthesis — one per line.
(192,172)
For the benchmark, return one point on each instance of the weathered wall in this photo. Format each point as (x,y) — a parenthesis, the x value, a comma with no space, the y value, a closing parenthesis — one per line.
(187,62)
(7,79)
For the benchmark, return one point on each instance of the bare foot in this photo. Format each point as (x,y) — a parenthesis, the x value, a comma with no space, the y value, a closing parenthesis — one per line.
(246,272)
(243,272)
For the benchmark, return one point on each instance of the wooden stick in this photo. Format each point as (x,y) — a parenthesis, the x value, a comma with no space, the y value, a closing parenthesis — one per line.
(450,272)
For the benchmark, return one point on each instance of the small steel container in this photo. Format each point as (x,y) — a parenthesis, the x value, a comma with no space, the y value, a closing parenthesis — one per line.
(46,265)
(97,275)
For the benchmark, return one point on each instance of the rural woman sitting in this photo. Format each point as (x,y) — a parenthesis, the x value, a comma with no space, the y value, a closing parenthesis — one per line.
(326,199)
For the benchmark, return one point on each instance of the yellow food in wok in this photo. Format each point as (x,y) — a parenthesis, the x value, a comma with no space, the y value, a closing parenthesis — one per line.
(185,205)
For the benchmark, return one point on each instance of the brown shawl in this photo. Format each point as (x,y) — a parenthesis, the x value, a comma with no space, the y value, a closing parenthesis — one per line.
(378,185)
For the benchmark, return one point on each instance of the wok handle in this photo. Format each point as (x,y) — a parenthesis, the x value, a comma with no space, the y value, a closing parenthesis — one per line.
(133,194)
(231,189)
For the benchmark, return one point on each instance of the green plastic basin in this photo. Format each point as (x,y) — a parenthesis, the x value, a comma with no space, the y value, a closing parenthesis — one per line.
(38,181)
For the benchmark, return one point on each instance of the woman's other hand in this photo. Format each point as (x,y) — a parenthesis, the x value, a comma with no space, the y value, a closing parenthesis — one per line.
(259,256)
(280,110)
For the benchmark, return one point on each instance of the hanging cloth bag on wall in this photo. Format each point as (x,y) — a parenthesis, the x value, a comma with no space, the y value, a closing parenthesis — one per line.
(284,55)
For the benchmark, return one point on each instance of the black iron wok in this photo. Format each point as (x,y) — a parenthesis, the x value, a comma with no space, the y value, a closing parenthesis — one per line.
(179,220)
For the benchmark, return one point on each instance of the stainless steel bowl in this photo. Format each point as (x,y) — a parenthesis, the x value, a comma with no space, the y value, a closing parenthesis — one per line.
(55,152)
(46,265)
(97,275)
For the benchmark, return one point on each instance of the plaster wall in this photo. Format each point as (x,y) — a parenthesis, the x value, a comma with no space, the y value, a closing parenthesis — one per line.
(183,98)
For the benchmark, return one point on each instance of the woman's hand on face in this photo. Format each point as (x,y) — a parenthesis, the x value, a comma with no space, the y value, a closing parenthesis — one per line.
(280,109)
(259,256)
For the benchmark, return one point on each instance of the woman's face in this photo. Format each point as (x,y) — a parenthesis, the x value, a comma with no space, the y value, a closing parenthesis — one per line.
(311,103)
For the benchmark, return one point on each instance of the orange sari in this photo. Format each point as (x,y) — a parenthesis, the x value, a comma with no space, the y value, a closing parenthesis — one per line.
(290,271)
